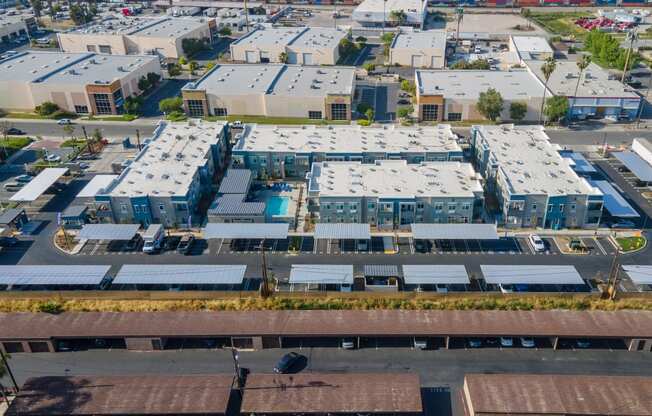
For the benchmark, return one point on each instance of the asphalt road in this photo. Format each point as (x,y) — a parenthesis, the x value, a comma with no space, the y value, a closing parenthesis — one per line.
(441,371)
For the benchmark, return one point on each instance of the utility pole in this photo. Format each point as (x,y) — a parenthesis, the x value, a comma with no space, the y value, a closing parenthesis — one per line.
(5,130)
(631,36)
(138,139)
(460,15)
(88,145)
(236,369)
(647,94)
(264,290)
(246,10)
(384,5)
(11,374)
(612,282)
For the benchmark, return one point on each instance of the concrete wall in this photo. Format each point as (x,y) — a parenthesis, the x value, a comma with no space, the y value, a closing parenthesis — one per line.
(430,57)
(79,42)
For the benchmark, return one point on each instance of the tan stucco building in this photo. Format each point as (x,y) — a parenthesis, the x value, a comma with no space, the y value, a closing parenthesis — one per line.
(425,49)
(12,27)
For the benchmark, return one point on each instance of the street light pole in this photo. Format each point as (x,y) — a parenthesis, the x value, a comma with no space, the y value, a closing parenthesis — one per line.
(642,105)
(11,374)
(236,368)
(384,4)
(631,36)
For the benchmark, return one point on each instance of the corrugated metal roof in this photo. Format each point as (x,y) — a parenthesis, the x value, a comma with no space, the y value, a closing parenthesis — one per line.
(613,201)
(322,273)
(110,232)
(257,230)
(10,214)
(39,184)
(97,185)
(430,274)
(52,275)
(636,164)
(347,231)
(235,181)
(74,211)
(641,275)
(310,393)
(234,204)
(381,270)
(454,231)
(169,274)
(531,274)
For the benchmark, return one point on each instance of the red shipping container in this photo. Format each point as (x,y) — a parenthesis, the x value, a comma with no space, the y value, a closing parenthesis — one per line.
(527,3)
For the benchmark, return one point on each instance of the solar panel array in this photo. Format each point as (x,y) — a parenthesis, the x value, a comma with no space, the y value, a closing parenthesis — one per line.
(430,274)
(255,231)
(422,231)
(530,274)
(322,273)
(163,274)
(343,231)
(52,275)
(109,232)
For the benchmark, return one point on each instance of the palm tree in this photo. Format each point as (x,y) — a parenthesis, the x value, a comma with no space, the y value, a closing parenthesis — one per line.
(547,69)
(582,64)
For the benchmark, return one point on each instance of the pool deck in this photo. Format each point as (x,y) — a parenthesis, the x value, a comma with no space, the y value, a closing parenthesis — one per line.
(292,198)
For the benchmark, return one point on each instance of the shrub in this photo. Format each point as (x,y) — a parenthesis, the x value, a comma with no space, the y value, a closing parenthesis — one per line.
(174,70)
(405,111)
(364,122)
(50,306)
(369,67)
(170,105)
(59,114)
(47,108)
(176,116)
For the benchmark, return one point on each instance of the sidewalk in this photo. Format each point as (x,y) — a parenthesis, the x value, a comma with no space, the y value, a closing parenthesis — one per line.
(152,121)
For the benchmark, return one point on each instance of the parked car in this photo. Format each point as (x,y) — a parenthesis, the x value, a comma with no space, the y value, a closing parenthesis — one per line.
(527,342)
(506,342)
(623,224)
(582,343)
(23,178)
(133,244)
(13,186)
(185,244)
(403,101)
(13,131)
(537,243)
(474,342)
(53,158)
(286,362)
(420,343)
(64,121)
(348,344)
(8,241)
(171,243)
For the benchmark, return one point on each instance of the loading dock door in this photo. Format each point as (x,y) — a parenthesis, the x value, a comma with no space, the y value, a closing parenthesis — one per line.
(417,61)
(292,58)
(307,59)
(251,57)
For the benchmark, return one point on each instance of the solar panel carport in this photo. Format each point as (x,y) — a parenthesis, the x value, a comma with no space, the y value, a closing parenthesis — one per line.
(347,231)
(613,201)
(531,275)
(639,167)
(640,275)
(180,274)
(109,232)
(336,274)
(422,231)
(39,184)
(276,231)
(51,275)
(434,274)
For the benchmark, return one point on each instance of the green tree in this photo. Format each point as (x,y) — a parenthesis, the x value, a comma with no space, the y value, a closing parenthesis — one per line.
(408,86)
(405,111)
(143,84)
(47,108)
(174,70)
(183,61)
(556,108)
(37,6)
(362,108)
(153,78)
(582,64)
(369,66)
(225,31)
(68,131)
(387,40)
(191,47)
(192,66)
(170,105)
(547,69)
(361,42)
(477,64)
(283,57)
(398,16)
(517,110)
(210,65)
(346,47)
(132,105)
(369,114)
(490,104)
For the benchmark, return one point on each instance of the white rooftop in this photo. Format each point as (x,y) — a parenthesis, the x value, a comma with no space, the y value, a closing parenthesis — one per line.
(468,84)
(168,163)
(430,39)
(166,27)
(321,37)
(595,81)
(532,44)
(97,185)
(347,139)
(394,179)
(529,163)
(372,10)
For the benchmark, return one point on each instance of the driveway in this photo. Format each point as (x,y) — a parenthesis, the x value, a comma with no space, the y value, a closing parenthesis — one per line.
(169,88)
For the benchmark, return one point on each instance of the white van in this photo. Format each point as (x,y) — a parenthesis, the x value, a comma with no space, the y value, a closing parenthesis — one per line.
(153,238)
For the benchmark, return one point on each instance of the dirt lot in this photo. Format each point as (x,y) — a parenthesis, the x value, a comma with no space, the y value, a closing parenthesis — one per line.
(499,23)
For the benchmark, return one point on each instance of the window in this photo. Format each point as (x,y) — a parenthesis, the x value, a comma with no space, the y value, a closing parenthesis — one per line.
(81,109)
(137,209)
(161,208)
(454,116)
(91,48)
(145,209)
(439,206)
(466,206)
(550,207)
(573,207)
(452,206)
(534,207)
(430,112)
(339,112)
(195,108)
(327,206)
(123,208)
(105,49)
(420,206)
(314,115)
(220,112)
(102,104)
(371,205)
(561,207)
(465,220)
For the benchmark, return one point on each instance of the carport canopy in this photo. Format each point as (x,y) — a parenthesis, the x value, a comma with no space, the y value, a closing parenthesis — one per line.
(52,275)
(340,274)
(433,274)
(641,275)
(277,231)
(614,201)
(39,184)
(380,270)
(111,232)
(97,185)
(342,231)
(531,275)
(421,231)
(180,274)
(639,167)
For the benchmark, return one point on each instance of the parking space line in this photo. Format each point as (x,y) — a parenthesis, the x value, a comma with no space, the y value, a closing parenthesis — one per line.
(219,247)
(597,243)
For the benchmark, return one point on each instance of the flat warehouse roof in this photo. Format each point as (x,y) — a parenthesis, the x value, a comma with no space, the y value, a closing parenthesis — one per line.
(614,201)
(431,274)
(97,185)
(636,164)
(124,395)
(52,275)
(348,231)
(454,231)
(589,324)
(311,393)
(554,394)
(641,275)
(380,270)
(464,84)
(111,232)
(39,184)
(534,275)
(322,273)
(276,231)
(172,274)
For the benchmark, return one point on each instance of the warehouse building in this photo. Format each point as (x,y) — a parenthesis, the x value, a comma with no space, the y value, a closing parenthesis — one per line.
(137,36)
(555,394)
(452,95)
(82,83)
(419,49)
(531,47)
(394,194)
(272,151)
(169,176)
(12,27)
(272,90)
(292,45)
(598,95)
(379,12)
(535,186)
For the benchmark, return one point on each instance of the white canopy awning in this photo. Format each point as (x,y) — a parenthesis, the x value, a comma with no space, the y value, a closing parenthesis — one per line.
(432,274)
(39,184)
(421,231)
(179,274)
(532,275)
(110,232)
(277,231)
(342,231)
(322,273)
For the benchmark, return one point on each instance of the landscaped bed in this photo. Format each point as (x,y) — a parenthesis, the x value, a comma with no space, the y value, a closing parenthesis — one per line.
(12,144)
(560,23)
(630,243)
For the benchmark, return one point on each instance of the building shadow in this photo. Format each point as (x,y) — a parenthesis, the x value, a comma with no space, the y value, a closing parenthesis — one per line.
(437,401)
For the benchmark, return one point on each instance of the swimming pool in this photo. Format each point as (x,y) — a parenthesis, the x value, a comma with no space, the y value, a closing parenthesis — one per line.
(277,206)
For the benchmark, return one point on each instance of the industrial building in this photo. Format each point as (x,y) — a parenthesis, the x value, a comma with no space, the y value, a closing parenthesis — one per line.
(137,36)
(535,186)
(425,49)
(12,27)
(394,194)
(379,12)
(279,152)
(292,45)
(272,90)
(82,83)
(452,95)
(531,47)
(168,177)
(643,148)
(598,95)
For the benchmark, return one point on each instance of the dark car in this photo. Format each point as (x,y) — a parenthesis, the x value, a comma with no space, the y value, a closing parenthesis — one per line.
(286,362)
(8,241)
(403,102)
(185,244)
(134,243)
(171,243)
(15,132)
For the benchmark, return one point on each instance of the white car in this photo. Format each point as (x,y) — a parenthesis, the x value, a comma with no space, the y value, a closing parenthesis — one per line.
(64,121)
(506,342)
(537,243)
(53,158)
(527,342)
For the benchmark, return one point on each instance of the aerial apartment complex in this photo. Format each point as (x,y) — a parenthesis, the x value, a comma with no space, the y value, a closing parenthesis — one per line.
(394,194)
(292,45)
(535,186)
(279,152)
(12,27)
(165,182)
(137,35)
(83,83)
(379,12)
(425,49)
(272,90)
